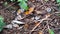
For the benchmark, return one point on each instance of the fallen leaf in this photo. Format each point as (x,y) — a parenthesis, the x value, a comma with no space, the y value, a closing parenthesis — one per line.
(40,32)
(18,11)
(29,11)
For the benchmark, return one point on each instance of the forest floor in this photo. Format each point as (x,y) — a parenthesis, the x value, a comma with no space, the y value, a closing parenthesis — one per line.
(46,15)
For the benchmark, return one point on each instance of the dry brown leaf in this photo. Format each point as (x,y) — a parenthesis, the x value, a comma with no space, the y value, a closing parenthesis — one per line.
(29,11)
(40,32)
(18,11)
(36,23)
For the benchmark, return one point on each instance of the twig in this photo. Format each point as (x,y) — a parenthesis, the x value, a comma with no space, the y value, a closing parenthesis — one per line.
(42,29)
(38,30)
(48,25)
(40,22)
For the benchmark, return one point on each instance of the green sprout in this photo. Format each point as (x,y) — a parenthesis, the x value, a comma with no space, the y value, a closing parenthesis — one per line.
(51,31)
(2,24)
(23,4)
(58,1)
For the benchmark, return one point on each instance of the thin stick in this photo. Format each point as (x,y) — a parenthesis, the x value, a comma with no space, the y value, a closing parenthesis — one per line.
(40,22)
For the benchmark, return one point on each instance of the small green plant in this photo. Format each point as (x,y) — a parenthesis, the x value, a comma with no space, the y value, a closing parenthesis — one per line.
(58,1)
(51,31)
(23,5)
(2,24)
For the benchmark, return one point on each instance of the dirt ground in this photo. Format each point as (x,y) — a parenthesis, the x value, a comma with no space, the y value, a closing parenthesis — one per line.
(30,23)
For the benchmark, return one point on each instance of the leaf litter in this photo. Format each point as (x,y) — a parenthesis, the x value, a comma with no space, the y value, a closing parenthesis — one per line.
(30,16)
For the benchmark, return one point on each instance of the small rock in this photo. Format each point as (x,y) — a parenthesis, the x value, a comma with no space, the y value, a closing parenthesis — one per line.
(37,17)
(48,9)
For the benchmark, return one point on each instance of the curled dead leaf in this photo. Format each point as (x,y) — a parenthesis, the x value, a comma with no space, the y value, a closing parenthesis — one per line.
(18,11)
(29,11)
